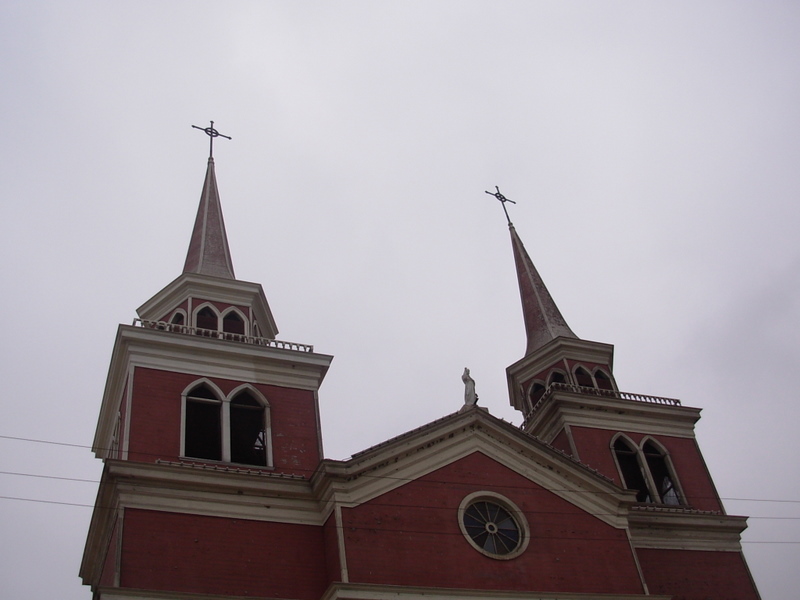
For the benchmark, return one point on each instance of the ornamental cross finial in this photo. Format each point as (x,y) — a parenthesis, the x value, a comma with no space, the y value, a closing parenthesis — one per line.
(503,201)
(211,133)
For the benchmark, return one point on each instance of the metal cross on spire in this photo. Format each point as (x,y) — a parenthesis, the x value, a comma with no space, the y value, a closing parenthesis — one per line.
(211,133)
(503,201)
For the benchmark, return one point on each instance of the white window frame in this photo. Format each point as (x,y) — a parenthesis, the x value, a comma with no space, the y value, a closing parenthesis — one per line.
(225,419)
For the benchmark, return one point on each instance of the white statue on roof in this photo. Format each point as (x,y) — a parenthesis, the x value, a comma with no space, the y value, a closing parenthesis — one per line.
(470,397)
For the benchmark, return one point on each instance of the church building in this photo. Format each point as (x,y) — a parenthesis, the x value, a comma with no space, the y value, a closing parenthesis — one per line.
(215,484)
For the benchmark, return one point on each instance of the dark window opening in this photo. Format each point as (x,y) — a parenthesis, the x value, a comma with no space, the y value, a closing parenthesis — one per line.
(233,323)
(632,477)
(177,319)
(657,463)
(556,377)
(207,319)
(202,434)
(603,381)
(537,391)
(248,432)
(583,378)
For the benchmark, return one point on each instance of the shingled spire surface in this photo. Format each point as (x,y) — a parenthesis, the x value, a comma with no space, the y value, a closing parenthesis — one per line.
(208,249)
(543,320)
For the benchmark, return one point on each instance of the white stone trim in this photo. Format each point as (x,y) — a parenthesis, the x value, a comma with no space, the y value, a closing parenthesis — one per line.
(608,412)
(128,387)
(337,515)
(118,549)
(354,591)
(676,529)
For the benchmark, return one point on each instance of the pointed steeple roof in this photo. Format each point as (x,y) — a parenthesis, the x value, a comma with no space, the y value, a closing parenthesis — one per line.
(543,320)
(208,249)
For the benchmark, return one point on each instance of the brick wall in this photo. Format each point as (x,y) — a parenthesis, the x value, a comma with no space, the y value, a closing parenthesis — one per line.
(156,419)
(411,536)
(213,555)
(696,575)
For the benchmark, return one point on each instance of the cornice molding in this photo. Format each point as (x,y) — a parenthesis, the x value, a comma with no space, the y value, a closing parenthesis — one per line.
(566,408)
(676,529)
(186,490)
(366,591)
(556,351)
(410,457)
(106,507)
(207,357)
(361,591)
(229,291)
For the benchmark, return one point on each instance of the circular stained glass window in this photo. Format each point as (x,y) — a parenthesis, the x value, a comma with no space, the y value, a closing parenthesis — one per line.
(492,527)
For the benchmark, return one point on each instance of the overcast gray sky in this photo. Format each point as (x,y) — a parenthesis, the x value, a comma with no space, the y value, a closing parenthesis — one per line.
(652,150)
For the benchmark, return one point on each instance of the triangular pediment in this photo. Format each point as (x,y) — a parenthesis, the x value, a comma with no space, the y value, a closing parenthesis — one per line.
(422,451)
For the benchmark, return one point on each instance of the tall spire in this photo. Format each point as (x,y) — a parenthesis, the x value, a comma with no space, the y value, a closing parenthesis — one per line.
(543,320)
(208,249)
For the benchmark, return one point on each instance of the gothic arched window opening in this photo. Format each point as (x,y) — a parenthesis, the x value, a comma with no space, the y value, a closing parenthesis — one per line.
(647,471)
(233,323)
(632,477)
(537,391)
(583,378)
(556,377)
(248,430)
(659,470)
(603,380)
(207,319)
(202,426)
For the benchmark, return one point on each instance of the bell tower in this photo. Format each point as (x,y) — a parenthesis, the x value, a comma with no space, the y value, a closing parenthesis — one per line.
(566,390)
(205,414)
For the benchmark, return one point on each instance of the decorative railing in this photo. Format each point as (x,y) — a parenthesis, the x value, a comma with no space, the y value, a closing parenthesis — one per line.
(222,335)
(590,391)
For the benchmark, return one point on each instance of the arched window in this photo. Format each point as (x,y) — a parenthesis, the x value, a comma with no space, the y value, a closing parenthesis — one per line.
(202,424)
(583,378)
(603,380)
(248,430)
(206,318)
(535,393)
(656,459)
(556,377)
(647,471)
(233,323)
(177,319)
(628,460)
(230,429)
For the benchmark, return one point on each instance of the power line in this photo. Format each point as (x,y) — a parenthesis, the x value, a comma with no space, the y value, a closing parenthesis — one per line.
(371,528)
(312,471)
(402,506)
